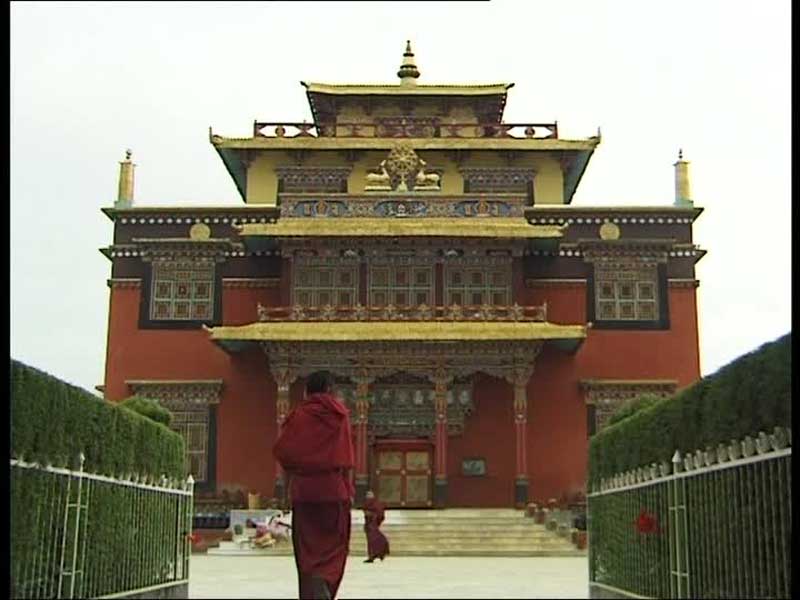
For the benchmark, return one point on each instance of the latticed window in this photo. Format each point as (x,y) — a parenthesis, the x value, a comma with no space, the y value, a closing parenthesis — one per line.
(182,290)
(192,424)
(325,283)
(400,284)
(476,285)
(626,292)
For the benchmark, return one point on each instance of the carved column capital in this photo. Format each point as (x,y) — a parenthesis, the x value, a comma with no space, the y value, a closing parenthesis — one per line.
(442,379)
(520,374)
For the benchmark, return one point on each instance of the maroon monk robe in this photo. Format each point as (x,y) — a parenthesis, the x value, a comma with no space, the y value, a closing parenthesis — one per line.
(315,449)
(377,544)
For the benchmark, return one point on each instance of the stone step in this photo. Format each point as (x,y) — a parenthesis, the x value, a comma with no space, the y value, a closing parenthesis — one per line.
(427,551)
(453,532)
(434,527)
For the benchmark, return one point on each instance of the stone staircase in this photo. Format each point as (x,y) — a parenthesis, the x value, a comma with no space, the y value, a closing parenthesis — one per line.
(449,532)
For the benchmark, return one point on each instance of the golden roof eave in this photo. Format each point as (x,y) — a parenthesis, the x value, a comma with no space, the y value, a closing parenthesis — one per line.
(491,89)
(418,144)
(396,331)
(464,227)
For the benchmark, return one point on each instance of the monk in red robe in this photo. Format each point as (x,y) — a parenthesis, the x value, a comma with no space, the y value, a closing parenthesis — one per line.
(377,544)
(315,449)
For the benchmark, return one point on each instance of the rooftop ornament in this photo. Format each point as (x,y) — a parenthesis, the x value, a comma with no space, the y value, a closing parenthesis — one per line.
(408,72)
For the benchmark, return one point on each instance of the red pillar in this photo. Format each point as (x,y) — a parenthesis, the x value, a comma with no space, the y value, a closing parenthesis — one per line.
(521,435)
(522,372)
(281,410)
(440,441)
(362,441)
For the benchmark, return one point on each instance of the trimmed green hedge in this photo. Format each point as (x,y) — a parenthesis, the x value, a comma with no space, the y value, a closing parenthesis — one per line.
(136,535)
(148,407)
(632,407)
(751,394)
(53,422)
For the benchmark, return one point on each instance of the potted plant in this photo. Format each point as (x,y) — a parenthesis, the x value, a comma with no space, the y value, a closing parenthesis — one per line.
(531,508)
(540,516)
(581,541)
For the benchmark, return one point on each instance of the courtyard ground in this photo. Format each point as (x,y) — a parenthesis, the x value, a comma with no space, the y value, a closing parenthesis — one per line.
(401,577)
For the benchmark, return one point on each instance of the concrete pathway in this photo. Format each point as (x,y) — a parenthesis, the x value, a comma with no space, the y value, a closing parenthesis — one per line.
(396,577)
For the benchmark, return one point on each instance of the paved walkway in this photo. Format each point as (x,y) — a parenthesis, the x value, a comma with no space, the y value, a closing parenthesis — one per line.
(396,577)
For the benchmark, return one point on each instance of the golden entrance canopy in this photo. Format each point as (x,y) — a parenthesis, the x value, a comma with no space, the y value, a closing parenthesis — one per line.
(474,227)
(567,337)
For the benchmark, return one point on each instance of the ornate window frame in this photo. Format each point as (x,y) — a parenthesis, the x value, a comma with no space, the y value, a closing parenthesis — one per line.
(319,281)
(604,397)
(417,285)
(491,277)
(194,403)
(618,262)
(205,252)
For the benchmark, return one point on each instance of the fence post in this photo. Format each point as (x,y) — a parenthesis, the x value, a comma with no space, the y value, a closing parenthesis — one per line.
(75,539)
(187,552)
(679,534)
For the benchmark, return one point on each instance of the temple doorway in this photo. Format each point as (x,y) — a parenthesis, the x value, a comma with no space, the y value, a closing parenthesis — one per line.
(402,473)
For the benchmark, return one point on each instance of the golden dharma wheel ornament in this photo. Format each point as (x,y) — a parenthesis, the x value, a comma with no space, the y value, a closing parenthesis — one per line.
(200,231)
(609,231)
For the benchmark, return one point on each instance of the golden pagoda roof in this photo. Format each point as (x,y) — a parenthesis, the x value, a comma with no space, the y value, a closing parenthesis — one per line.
(399,331)
(474,227)
(365,89)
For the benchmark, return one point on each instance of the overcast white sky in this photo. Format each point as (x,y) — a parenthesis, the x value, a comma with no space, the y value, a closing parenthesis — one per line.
(91,79)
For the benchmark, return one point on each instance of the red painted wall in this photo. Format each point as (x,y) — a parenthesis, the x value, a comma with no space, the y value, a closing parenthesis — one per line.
(557,437)
(489,434)
(246,426)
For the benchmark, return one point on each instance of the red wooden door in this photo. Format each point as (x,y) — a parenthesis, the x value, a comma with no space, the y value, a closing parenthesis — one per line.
(403,474)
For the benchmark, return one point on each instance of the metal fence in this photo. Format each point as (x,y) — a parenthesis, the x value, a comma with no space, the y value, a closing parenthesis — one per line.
(713,524)
(80,535)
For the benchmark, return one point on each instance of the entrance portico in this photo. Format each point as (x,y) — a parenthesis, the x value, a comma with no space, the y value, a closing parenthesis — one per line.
(407,382)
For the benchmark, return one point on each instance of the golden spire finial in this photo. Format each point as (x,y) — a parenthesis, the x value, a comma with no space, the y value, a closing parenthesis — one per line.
(125,190)
(408,72)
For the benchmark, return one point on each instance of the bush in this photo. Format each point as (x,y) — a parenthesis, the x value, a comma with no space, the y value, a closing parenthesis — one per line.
(131,532)
(634,406)
(751,394)
(52,422)
(149,408)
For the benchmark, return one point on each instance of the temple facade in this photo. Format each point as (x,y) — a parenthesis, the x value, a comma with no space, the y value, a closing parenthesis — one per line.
(409,240)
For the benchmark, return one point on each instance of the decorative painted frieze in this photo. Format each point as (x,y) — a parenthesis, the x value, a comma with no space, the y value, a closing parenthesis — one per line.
(313,178)
(468,205)
(120,283)
(496,179)
(408,409)
(178,216)
(179,393)
(245,282)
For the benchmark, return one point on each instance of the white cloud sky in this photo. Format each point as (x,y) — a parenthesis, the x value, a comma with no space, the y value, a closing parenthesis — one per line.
(91,79)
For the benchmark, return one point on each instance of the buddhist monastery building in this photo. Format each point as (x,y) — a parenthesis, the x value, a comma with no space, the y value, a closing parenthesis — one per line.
(407,239)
